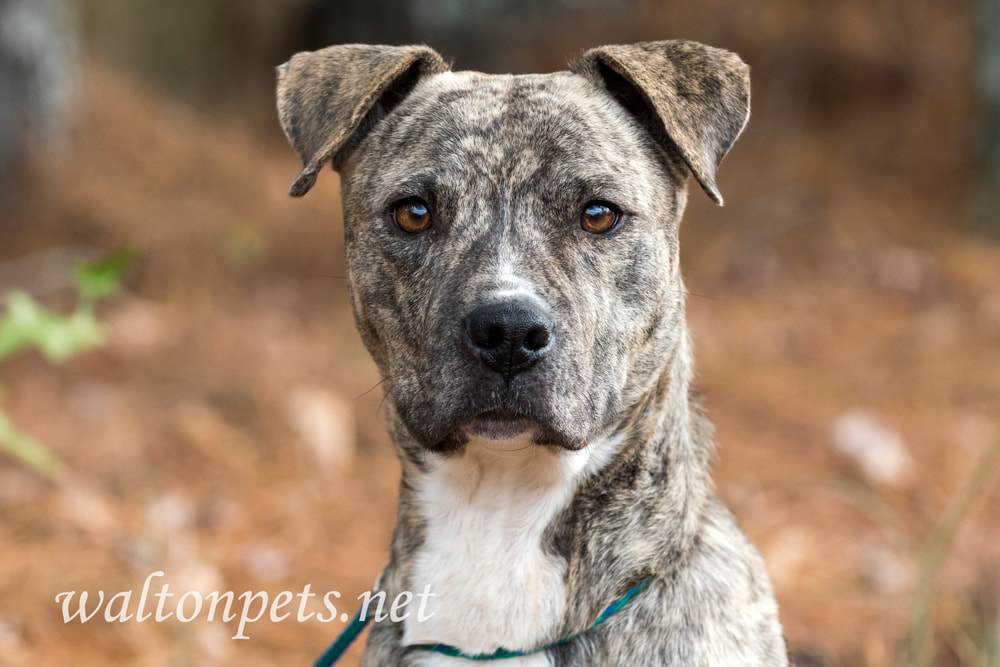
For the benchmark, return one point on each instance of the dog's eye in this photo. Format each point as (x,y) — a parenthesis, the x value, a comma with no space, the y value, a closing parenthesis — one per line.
(412,216)
(599,217)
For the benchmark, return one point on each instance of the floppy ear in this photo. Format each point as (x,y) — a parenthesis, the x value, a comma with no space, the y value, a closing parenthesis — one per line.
(324,96)
(691,97)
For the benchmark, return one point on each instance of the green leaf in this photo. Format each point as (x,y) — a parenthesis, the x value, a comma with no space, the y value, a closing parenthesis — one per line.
(101,279)
(66,337)
(27,324)
(19,326)
(26,449)
(57,337)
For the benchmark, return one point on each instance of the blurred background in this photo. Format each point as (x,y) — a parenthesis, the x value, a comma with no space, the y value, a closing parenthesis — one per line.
(224,424)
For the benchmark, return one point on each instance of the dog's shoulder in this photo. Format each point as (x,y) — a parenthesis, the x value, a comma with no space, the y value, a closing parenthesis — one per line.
(717,609)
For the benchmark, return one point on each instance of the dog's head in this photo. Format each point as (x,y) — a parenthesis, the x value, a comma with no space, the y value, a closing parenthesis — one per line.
(512,240)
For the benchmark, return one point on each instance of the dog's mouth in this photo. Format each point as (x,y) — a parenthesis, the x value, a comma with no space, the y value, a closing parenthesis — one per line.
(510,428)
(512,415)
(500,424)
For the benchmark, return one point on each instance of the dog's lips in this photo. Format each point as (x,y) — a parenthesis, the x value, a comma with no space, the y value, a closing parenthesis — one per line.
(499,424)
(486,408)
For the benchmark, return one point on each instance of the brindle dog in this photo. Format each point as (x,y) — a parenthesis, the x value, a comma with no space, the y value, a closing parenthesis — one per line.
(512,258)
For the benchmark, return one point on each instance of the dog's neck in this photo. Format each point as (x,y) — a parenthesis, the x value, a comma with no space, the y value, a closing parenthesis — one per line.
(528,544)
(639,515)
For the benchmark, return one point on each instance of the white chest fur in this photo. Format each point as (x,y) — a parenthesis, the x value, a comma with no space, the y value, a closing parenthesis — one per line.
(486,510)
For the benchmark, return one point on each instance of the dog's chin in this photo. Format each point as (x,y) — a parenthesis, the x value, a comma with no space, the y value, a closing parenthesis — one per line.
(501,434)
(494,426)
(506,430)
(501,425)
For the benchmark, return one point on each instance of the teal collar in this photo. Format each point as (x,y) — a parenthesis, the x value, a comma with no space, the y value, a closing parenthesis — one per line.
(358,623)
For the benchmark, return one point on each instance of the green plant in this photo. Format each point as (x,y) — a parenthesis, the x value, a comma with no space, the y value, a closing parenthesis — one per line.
(26,325)
(920,646)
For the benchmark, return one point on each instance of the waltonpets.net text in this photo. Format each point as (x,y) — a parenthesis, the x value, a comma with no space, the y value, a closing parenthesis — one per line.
(250,607)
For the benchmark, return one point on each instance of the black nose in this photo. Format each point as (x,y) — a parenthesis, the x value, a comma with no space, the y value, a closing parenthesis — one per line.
(509,336)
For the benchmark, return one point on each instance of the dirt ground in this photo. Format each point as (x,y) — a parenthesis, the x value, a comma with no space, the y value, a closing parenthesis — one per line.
(229,432)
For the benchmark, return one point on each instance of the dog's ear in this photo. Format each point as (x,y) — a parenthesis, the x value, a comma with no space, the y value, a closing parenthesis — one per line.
(691,97)
(325,96)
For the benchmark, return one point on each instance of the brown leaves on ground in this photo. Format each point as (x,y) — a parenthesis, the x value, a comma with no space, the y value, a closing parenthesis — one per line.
(224,434)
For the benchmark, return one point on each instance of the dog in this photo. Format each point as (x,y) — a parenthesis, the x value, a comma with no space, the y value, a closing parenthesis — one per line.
(512,261)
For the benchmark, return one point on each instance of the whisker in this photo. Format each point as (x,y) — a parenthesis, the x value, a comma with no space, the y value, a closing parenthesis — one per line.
(326,275)
(373,388)
(705,296)
(385,395)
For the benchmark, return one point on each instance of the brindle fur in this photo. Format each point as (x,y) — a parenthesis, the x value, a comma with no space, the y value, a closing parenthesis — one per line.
(506,164)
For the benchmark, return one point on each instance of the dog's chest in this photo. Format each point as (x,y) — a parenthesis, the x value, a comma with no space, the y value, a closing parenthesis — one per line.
(493,582)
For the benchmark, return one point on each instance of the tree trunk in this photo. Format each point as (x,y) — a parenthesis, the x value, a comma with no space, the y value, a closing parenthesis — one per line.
(37,73)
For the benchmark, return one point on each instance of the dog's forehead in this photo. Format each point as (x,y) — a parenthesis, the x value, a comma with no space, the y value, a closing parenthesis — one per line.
(513,128)
(479,98)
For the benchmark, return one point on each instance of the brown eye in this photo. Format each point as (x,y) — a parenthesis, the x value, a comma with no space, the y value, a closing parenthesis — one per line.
(412,216)
(599,217)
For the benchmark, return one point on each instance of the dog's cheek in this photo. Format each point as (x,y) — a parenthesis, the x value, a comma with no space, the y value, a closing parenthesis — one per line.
(635,317)
(586,375)
(378,304)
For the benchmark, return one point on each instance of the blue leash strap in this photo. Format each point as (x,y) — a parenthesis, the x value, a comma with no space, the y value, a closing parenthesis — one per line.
(344,640)
(349,634)
(501,654)
(357,625)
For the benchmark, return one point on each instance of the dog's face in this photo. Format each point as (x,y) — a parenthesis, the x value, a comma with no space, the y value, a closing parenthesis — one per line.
(510,174)
(512,240)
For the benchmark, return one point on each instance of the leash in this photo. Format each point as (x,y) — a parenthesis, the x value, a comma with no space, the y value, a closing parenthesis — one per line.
(358,623)
(344,640)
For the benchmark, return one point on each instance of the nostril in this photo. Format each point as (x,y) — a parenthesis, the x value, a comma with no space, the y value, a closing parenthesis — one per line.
(494,337)
(485,334)
(536,338)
